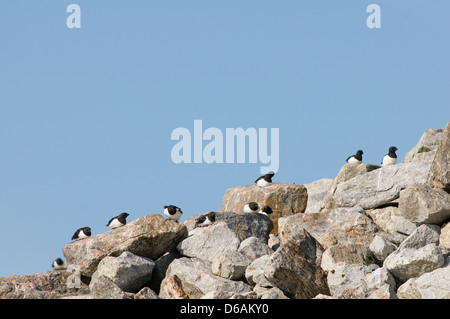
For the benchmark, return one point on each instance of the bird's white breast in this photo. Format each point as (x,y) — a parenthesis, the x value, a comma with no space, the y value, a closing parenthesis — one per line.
(262,183)
(353,160)
(115,223)
(387,160)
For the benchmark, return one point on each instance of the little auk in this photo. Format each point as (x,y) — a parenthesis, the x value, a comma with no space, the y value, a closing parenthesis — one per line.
(390,158)
(251,207)
(82,232)
(267,211)
(205,219)
(59,264)
(118,221)
(355,159)
(265,180)
(173,212)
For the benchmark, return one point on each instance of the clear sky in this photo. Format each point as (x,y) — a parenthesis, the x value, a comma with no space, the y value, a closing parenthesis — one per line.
(86,114)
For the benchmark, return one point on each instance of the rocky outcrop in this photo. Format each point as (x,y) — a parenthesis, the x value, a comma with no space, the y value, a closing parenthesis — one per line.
(149,236)
(284,199)
(439,174)
(370,233)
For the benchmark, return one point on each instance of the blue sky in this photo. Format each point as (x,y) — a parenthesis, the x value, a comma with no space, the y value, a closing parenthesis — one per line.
(86,115)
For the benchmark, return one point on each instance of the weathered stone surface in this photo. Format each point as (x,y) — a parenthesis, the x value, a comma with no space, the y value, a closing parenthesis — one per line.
(295,269)
(273,293)
(104,288)
(444,238)
(47,285)
(422,236)
(146,293)
(176,288)
(390,221)
(347,280)
(209,242)
(439,174)
(406,263)
(128,271)
(431,285)
(254,248)
(316,193)
(347,172)
(426,148)
(230,265)
(255,272)
(160,269)
(381,248)
(346,254)
(285,199)
(380,186)
(148,236)
(420,204)
(197,272)
(341,225)
(247,225)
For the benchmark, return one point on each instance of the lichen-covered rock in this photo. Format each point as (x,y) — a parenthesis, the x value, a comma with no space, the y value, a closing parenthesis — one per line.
(148,236)
(426,148)
(285,199)
(47,285)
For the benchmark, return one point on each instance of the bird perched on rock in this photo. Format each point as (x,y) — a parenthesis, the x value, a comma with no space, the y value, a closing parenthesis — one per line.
(205,219)
(265,180)
(355,159)
(82,232)
(173,212)
(251,207)
(267,211)
(118,221)
(390,158)
(59,264)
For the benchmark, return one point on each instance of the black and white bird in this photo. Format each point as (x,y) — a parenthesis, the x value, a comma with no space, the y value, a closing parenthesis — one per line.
(205,219)
(82,232)
(265,180)
(267,211)
(118,221)
(173,212)
(251,207)
(355,159)
(59,264)
(390,158)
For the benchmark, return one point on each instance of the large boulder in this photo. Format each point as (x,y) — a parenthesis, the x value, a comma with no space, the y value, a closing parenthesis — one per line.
(148,236)
(439,174)
(346,173)
(285,199)
(128,271)
(196,274)
(380,186)
(431,285)
(420,203)
(295,266)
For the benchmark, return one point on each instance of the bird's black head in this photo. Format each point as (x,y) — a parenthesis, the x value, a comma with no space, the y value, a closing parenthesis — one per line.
(59,261)
(267,210)
(392,149)
(271,174)
(124,215)
(360,152)
(87,230)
